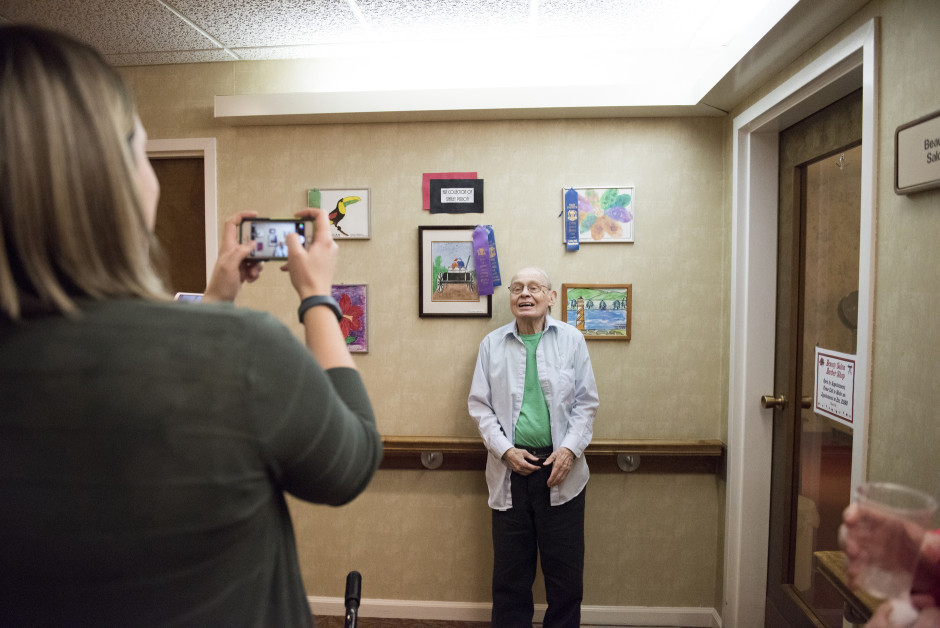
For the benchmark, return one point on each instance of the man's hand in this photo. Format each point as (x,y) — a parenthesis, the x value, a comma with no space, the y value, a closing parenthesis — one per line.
(562,459)
(519,461)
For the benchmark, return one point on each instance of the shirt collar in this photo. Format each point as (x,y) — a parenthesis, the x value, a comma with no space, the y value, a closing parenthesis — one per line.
(550,323)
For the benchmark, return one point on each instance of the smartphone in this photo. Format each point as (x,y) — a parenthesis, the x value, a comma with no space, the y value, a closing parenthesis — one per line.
(270,235)
(188,296)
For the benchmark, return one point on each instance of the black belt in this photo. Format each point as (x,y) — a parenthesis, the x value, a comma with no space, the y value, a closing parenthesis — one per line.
(539,452)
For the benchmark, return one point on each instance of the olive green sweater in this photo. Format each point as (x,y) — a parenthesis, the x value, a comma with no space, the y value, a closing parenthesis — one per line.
(145,449)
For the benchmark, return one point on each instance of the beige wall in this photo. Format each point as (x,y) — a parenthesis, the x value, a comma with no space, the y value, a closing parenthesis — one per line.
(905,429)
(651,540)
(425,535)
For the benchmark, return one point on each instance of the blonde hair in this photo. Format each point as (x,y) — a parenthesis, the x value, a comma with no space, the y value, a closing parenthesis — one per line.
(71,220)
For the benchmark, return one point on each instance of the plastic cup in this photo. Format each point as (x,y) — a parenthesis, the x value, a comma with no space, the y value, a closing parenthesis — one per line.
(894,519)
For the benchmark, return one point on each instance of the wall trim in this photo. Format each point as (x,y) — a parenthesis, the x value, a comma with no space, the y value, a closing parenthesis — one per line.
(204,148)
(689,617)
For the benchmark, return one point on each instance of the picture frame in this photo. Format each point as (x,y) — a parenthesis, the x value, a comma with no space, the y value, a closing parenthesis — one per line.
(447,276)
(352,220)
(353,300)
(599,311)
(606,214)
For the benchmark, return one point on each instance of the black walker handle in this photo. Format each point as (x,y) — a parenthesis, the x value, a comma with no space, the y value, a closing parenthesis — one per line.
(353,595)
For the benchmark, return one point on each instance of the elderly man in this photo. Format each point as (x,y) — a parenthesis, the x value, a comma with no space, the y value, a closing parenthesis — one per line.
(534,398)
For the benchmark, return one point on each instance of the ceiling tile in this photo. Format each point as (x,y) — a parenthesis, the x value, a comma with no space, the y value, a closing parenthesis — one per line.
(272,53)
(255,23)
(111,26)
(163,58)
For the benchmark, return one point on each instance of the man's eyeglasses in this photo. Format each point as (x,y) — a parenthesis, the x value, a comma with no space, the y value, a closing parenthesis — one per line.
(533,288)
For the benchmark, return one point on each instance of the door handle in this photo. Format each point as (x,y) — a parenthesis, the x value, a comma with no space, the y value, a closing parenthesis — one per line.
(770,401)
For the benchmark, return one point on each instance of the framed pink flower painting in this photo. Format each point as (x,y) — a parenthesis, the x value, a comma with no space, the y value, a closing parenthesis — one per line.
(353,300)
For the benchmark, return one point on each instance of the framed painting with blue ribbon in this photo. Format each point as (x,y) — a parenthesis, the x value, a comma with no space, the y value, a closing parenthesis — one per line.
(598,215)
(447,275)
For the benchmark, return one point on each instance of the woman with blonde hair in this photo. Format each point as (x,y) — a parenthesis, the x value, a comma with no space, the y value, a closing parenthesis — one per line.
(145,445)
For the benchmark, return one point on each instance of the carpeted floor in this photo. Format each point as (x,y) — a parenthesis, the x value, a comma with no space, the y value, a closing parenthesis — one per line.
(370,622)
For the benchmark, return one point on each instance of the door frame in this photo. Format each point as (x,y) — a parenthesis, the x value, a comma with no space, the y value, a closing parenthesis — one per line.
(850,64)
(203,148)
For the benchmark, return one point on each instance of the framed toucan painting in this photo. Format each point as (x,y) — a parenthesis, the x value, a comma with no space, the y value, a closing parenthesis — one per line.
(349,210)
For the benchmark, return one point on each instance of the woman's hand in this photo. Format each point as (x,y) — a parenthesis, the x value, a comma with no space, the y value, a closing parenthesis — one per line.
(874,540)
(926,614)
(232,268)
(311,269)
(311,273)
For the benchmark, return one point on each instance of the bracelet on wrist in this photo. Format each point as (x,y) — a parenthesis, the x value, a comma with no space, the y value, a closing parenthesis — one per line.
(319,299)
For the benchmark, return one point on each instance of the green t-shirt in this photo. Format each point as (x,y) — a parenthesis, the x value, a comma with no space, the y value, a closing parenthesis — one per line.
(533,428)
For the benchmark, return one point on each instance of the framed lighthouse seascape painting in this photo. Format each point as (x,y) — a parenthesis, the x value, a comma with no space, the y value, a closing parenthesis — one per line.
(599,311)
(349,210)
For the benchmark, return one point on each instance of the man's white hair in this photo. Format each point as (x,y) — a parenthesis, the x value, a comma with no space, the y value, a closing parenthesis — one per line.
(546,281)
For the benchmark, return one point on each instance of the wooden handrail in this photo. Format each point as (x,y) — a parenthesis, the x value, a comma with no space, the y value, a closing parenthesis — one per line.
(418,444)
(713,448)
(656,456)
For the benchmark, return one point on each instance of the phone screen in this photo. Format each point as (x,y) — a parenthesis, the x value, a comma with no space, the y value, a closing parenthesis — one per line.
(189,296)
(270,236)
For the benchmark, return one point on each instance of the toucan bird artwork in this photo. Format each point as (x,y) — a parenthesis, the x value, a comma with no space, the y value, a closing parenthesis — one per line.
(339,212)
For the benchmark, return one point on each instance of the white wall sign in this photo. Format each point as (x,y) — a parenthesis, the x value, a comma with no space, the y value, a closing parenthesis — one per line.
(917,155)
(835,386)
(456,195)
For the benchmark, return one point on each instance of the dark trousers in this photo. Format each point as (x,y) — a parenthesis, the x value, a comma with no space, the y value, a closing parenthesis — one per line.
(556,534)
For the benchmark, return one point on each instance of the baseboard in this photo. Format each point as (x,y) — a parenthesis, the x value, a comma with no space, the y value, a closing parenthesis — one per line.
(688,617)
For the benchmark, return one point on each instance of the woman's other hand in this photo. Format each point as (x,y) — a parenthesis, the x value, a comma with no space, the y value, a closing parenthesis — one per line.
(232,268)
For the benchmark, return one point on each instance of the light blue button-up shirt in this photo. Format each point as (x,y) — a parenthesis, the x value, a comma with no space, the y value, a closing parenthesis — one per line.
(567,380)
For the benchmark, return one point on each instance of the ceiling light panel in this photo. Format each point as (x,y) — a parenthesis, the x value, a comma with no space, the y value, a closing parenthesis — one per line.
(628,23)
(111,26)
(256,23)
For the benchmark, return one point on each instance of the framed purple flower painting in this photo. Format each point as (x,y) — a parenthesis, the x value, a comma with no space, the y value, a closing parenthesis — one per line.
(353,300)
